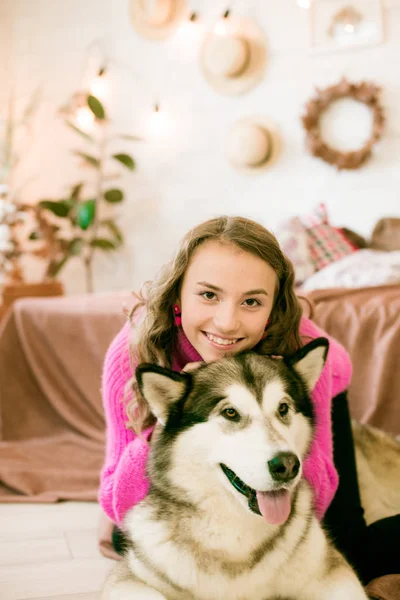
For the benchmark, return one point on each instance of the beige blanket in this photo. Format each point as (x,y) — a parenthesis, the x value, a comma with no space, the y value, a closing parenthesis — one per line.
(52,423)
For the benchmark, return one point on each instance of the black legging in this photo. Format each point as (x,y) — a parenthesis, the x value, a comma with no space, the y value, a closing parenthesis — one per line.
(373,550)
(119,541)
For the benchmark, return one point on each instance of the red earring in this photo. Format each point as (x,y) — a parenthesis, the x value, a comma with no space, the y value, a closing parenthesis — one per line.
(177,315)
(264,335)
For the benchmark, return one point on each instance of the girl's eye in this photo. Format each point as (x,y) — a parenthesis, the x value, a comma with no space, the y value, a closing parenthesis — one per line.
(252,302)
(283,409)
(208,295)
(231,414)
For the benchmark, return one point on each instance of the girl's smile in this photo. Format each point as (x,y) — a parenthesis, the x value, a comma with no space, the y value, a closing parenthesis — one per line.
(222,342)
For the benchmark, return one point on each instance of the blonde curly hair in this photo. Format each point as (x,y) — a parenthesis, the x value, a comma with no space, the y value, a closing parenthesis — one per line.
(155,335)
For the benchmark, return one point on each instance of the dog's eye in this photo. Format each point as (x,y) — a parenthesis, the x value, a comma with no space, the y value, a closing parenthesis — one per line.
(231,414)
(283,409)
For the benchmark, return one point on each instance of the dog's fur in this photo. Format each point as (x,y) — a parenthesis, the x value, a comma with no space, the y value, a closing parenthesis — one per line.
(196,536)
(378,471)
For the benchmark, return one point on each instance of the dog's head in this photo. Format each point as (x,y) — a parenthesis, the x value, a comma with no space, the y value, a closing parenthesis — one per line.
(244,422)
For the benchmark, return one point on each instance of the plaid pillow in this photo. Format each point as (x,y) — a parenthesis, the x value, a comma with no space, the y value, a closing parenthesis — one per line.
(318,215)
(327,244)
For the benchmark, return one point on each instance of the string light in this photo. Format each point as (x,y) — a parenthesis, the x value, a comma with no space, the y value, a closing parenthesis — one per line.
(304,3)
(349,28)
(159,122)
(222,26)
(84,118)
(99,85)
(189,36)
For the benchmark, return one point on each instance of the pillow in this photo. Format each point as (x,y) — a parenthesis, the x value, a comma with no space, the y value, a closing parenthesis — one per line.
(293,240)
(386,234)
(318,215)
(326,243)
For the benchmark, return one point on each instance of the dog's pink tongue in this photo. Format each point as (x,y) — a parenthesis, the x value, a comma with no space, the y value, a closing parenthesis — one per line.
(274,506)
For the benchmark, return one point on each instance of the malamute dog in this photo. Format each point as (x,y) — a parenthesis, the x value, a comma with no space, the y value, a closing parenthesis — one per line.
(228,515)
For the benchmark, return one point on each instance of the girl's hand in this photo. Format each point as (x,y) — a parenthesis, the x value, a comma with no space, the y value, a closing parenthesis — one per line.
(191,366)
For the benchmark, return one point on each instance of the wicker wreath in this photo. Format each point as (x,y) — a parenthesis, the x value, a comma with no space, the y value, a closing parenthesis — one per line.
(363,92)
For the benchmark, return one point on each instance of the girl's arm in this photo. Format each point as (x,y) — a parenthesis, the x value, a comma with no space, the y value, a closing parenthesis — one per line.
(123,481)
(319,468)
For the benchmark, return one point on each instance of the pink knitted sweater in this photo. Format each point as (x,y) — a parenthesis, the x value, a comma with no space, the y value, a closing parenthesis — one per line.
(124,481)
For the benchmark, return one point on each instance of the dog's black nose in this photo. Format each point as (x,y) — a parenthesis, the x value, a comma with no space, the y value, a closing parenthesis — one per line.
(284,466)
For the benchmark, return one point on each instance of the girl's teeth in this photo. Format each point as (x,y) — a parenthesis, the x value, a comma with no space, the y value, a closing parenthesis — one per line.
(220,341)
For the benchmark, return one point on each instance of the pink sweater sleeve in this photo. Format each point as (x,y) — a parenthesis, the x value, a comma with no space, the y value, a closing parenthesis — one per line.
(123,480)
(319,469)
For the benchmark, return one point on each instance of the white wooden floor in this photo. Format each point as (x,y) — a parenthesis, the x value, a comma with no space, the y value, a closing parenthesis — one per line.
(50,551)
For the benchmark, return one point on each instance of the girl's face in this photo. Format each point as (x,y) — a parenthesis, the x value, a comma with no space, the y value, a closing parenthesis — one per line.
(226,299)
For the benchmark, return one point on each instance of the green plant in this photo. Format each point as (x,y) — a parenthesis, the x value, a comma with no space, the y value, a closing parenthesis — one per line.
(78,225)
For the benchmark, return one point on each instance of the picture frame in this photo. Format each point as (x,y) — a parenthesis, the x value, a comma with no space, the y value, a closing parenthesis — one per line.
(345,24)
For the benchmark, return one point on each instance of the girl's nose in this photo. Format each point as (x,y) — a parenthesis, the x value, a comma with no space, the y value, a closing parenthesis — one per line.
(226,319)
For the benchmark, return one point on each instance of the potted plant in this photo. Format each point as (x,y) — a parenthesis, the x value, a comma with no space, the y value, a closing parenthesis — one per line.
(78,225)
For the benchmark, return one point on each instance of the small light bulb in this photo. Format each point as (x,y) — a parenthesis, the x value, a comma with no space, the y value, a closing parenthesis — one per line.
(189,36)
(99,85)
(223,25)
(304,3)
(159,124)
(84,118)
(349,28)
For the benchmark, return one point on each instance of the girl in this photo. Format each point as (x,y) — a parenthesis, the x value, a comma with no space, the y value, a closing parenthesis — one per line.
(228,289)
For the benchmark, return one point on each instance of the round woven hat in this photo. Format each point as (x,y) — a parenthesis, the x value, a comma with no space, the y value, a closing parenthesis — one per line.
(253,144)
(157,19)
(233,57)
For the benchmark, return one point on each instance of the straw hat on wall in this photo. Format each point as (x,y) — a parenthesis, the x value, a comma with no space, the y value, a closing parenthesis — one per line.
(233,59)
(253,144)
(157,19)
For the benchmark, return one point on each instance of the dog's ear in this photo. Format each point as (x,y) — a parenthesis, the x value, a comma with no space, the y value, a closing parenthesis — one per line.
(309,361)
(161,388)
